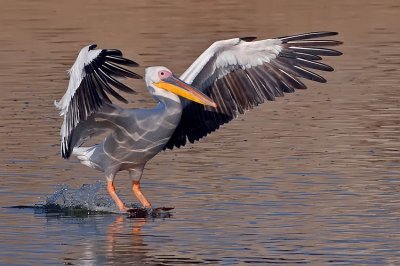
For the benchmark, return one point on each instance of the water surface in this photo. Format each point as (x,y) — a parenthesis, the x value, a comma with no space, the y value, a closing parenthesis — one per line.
(312,178)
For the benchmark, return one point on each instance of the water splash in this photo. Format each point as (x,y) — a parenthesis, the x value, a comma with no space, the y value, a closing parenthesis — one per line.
(89,200)
(86,199)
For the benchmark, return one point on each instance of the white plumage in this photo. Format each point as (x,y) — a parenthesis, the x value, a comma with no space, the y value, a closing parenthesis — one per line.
(218,58)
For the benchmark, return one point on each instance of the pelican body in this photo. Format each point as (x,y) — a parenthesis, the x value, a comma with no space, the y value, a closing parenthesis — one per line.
(230,77)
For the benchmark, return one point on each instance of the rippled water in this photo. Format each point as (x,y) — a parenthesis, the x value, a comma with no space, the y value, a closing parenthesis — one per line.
(312,178)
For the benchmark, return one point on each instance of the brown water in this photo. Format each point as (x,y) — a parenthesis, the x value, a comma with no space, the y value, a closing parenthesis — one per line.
(312,178)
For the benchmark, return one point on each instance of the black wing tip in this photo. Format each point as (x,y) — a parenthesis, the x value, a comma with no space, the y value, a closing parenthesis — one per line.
(307,35)
(315,51)
(332,52)
(92,46)
(65,153)
(338,53)
(121,60)
(248,39)
(132,63)
(320,33)
(320,80)
(326,33)
(112,52)
(117,54)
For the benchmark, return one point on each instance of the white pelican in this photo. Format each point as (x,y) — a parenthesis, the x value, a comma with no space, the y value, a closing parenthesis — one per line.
(230,77)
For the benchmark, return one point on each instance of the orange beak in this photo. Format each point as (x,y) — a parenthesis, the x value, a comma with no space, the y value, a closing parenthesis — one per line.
(179,87)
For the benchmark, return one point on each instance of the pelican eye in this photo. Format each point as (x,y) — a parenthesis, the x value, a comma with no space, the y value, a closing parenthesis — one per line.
(163,74)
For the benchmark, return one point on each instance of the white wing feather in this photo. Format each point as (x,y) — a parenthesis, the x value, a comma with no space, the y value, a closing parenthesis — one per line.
(233,52)
(76,74)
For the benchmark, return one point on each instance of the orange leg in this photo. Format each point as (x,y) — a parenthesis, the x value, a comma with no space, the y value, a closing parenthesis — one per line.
(111,190)
(139,194)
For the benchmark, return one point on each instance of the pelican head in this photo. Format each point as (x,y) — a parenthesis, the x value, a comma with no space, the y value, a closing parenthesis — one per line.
(161,81)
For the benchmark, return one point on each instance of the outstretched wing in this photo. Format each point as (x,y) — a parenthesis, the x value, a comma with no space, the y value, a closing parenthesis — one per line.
(240,73)
(92,77)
